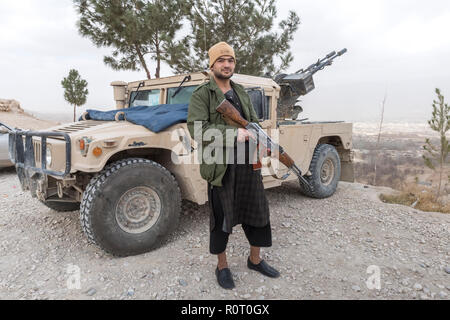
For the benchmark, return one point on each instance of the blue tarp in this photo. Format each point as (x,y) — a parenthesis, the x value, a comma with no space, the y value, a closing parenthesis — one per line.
(155,118)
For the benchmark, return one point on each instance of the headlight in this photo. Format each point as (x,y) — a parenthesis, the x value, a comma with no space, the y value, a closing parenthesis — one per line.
(49,157)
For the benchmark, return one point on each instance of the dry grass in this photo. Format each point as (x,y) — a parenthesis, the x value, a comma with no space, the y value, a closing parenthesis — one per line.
(400,166)
(419,197)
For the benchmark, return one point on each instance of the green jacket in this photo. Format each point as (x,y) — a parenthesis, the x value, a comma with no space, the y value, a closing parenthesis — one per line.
(202,107)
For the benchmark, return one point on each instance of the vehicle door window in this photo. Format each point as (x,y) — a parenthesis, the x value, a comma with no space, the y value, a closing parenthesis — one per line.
(260,103)
(182,97)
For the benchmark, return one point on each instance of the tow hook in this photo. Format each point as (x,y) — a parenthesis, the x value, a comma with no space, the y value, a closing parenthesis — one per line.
(41,190)
(59,189)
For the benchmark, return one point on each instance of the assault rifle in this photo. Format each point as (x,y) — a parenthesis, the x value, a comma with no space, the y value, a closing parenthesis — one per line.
(234,118)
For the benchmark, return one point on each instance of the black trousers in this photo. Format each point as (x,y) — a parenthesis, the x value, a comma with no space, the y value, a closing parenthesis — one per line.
(218,239)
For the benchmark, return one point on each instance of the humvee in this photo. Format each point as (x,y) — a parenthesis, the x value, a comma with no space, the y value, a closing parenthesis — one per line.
(122,177)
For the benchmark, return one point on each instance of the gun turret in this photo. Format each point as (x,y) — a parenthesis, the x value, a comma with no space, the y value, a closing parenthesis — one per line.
(299,84)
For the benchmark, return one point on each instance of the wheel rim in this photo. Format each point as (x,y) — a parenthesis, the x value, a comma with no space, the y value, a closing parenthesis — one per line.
(327,172)
(138,209)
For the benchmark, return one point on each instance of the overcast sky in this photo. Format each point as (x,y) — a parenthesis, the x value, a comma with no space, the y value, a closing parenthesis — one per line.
(401,47)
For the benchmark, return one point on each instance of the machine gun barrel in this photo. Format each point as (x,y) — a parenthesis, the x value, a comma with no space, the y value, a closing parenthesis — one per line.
(328,60)
(303,77)
(299,84)
(317,63)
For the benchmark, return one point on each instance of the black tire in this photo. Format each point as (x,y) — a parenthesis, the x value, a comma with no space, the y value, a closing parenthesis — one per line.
(325,168)
(123,192)
(62,206)
(189,207)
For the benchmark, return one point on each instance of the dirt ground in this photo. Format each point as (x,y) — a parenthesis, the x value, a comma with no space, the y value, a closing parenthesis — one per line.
(325,249)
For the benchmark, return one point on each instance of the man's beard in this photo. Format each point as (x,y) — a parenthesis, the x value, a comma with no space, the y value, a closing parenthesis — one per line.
(219,75)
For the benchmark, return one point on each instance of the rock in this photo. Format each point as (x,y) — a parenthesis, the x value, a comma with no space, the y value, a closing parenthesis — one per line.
(91,292)
(443,295)
(405,282)
(417,287)
(182,282)
(10,106)
(356,288)
(447,270)
(423,296)
(260,289)
(130,292)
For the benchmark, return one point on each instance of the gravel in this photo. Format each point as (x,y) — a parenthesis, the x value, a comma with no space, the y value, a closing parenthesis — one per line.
(324,249)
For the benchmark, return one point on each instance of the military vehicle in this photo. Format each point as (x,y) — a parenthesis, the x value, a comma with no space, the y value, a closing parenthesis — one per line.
(122,177)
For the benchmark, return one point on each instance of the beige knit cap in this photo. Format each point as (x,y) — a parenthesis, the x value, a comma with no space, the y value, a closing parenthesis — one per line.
(218,50)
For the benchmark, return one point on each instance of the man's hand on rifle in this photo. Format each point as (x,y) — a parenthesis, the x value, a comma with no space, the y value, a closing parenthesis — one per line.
(244,135)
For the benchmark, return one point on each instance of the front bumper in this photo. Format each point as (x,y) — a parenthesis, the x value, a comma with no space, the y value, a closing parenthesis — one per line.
(25,147)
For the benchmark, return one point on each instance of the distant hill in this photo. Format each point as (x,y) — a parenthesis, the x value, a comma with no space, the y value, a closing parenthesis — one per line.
(23,120)
(58,117)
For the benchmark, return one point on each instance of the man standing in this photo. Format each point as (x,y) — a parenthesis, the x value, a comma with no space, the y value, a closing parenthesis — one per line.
(235,191)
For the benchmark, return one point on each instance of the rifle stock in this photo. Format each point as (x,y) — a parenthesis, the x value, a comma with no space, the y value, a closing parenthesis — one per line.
(230,113)
(286,159)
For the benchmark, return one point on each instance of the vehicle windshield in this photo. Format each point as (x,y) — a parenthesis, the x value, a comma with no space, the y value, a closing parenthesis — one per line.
(145,98)
(183,96)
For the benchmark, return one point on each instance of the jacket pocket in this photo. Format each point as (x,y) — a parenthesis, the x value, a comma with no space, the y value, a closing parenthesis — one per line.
(207,171)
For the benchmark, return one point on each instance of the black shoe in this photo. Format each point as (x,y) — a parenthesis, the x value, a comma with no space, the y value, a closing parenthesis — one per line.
(263,268)
(224,278)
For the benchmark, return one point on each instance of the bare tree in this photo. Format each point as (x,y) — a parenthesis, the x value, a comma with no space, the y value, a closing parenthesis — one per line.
(379,138)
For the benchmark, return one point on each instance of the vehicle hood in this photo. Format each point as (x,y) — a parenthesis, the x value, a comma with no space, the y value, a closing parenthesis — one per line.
(98,128)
